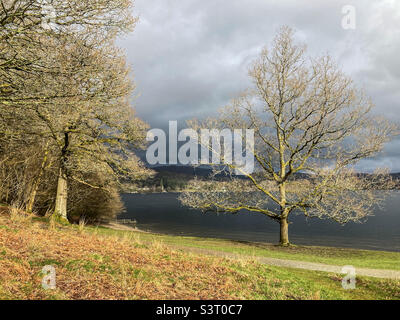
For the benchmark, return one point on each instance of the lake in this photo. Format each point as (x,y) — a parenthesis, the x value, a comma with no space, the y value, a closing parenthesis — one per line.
(163,213)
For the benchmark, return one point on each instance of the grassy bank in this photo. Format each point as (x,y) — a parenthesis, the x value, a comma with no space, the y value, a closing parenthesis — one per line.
(95,263)
(327,255)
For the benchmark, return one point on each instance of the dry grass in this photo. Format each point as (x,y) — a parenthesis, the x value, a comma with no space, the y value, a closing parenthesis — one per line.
(94,266)
(17,214)
(82,225)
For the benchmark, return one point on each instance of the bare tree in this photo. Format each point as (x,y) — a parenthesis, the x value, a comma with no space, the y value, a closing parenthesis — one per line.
(68,86)
(311,125)
(91,124)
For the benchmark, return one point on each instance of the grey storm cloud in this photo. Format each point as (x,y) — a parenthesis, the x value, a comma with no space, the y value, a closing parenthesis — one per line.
(190,57)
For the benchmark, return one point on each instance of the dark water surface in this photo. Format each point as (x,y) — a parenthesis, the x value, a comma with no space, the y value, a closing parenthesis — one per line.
(163,213)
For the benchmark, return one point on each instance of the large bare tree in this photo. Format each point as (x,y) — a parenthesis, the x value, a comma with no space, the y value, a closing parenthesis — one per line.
(311,125)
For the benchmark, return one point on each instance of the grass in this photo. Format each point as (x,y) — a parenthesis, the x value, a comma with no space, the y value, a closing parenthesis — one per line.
(96,263)
(327,255)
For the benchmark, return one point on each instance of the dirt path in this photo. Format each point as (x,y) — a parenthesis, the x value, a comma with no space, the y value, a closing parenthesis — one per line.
(376,273)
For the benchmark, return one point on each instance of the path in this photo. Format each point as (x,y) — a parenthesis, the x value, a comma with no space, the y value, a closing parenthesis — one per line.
(376,273)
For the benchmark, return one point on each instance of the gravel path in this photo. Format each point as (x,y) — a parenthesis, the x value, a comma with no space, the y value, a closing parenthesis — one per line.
(376,273)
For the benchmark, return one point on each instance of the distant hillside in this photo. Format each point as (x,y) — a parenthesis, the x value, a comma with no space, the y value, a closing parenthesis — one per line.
(175,178)
(205,172)
(186,170)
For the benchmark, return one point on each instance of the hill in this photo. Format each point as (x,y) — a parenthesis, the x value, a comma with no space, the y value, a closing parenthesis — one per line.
(175,178)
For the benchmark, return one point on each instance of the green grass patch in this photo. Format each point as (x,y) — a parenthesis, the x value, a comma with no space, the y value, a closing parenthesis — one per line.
(327,255)
(287,284)
(44,262)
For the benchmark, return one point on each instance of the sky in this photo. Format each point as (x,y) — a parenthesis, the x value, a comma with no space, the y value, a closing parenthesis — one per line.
(189,58)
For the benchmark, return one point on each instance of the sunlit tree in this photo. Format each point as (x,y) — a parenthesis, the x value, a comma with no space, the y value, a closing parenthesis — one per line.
(311,125)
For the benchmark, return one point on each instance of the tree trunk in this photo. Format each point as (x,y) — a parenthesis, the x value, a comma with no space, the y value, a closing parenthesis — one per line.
(32,197)
(62,186)
(284,234)
(61,198)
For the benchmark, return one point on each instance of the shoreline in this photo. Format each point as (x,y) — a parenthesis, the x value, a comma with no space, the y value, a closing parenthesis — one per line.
(121,227)
(337,256)
(161,213)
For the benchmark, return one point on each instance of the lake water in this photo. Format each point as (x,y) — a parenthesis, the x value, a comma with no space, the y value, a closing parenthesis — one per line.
(163,213)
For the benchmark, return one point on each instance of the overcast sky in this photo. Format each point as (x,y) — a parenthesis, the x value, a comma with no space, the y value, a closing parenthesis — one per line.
(190,57)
